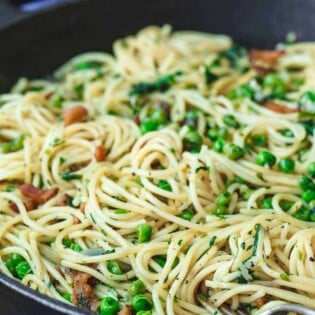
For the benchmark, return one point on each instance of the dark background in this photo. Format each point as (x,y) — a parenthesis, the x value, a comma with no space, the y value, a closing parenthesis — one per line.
(33,44)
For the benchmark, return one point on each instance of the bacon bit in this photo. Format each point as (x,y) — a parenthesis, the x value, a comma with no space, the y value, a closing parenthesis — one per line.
(82,207)
(260,302)
(94,304)
(83,284)
(62,201)
(59,269)
(100,153)
(264,60)
(74,114)
(76,220)
(126,310)
(136,119)
(28,204)
(269,57)
(77,166)
(37,194)
(279,108)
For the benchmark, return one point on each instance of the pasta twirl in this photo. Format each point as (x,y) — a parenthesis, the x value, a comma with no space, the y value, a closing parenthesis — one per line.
(181,168)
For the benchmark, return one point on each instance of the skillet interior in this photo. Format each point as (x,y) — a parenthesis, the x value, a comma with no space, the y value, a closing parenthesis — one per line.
(37,45)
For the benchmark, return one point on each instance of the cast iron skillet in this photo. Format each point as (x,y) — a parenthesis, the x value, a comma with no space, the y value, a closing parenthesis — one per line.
(34,45)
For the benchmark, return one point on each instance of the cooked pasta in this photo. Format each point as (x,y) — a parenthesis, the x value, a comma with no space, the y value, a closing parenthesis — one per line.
(172,177)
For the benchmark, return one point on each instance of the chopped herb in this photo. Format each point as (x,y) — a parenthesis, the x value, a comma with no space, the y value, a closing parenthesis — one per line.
(163,184)
(260,176)
(57,142)
(212,241)
(92,218)
(70,176)
(284,276)
(62,160)
(13,145)
(160,85)
(209,76)
(202,168)
(10,188)
(121,211)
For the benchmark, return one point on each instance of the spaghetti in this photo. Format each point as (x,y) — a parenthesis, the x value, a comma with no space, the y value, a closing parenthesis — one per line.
(179,169)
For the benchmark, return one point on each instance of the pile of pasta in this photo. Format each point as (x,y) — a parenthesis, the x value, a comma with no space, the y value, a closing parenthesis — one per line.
(172,177)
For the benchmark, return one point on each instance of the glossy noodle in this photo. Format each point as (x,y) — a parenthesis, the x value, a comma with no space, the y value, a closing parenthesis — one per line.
(182,160)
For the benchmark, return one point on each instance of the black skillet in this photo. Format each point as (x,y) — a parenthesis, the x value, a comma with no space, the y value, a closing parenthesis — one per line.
(33,44)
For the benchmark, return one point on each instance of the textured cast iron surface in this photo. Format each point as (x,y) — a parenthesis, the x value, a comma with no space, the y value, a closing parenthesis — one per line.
(35,46)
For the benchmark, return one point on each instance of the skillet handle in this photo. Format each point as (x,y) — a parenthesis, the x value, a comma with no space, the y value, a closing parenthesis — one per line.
(12,11)
(9,13)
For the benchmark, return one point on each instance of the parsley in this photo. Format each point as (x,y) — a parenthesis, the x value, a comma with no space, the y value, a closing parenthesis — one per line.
(10,188)
(212,241)
(57,142)
(13,145)
(160,85)
(209,76)
(70,176)
(260,176)
(284,276)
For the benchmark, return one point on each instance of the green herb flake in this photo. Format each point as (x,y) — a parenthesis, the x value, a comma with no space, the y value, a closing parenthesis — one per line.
(70,176)
(212,241)
(284,276)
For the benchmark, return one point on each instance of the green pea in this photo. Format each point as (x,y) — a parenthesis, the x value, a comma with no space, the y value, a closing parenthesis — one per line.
(23,269)
(287,133)
(12,262)
(273,82)
(144,313)
(159,115)
(114,268)
(267,203)
(265,158)
(223,199)
(67,296)
(108,306)
(56,101)
(247,193)
(16,259)
(312,214)
(144,232)
(218,133)
(141,302)
(260,140)
(136,287)
(191,118)
(187,214)
(192,140)
(233,151)
(230,121)
(242,91)
(302,214)
(286,165)
(218,145)
(163,184)
(286,205)
(72,245)
(149,125)
(160,260)
(306,183)
(220,210)
(308,195)
(311,168)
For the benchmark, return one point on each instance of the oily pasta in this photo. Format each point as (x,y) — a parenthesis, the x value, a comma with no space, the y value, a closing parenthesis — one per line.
(172,177)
